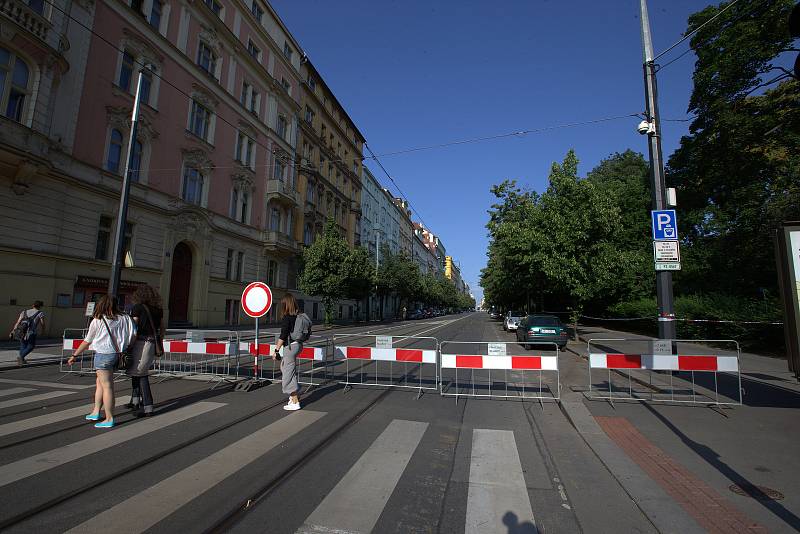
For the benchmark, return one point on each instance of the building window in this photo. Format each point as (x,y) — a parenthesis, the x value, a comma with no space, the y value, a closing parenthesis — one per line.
(245,147)
(155,14)
(103,237)
(246,88)
(272,272)
(136,162)
(214,6)
(232,311)
(278,169)
(229,265)
(243,214)
(308,235)
(199,120)
(286,85)
(254,96)
(275,220)
(192,186)
(312,83)
(256,10)
(309,115)
(206,59)
(287,51)
(239,265)
(234,202)
(114,151)
(281,126)
(37,6)
(310,192)
(253,50)
(126,71)
(136,5)
(147,84)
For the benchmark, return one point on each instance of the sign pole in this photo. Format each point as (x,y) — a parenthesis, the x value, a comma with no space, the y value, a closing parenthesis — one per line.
(256,302)
(258,351)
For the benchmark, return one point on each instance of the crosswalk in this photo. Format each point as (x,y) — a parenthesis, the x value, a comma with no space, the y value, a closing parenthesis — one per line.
(496,485)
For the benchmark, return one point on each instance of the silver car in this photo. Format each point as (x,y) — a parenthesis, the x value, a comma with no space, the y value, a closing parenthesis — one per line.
(512,319)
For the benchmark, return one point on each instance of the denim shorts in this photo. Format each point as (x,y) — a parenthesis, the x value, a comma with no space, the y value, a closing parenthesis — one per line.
(107,362)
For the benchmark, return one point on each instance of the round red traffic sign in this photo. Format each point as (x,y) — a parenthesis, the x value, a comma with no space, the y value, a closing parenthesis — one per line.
(256,299)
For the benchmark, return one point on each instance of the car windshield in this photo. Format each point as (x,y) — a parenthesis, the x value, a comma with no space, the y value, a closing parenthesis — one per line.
(543,320)
(516,314)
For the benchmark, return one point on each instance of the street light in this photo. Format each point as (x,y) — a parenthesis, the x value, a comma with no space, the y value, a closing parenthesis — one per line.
(122,214)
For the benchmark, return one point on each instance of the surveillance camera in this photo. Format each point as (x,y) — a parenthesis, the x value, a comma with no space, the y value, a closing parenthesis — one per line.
(644,127)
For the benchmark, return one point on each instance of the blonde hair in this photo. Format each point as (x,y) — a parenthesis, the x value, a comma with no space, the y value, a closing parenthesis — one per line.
(289,305)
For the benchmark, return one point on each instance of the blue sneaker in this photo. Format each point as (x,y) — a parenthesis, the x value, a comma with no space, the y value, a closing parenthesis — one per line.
(93,417)
(105,424)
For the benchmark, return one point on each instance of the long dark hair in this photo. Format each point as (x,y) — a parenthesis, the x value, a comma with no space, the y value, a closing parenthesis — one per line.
(289,305)
(147,295)
(106,307)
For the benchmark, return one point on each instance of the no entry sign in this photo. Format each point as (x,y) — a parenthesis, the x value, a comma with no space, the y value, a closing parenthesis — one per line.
(256,299)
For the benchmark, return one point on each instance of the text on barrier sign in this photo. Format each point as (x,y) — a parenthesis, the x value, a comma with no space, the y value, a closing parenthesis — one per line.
(383,342)
(497,349)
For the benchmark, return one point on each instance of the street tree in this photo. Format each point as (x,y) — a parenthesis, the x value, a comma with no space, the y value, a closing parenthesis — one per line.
(326,269)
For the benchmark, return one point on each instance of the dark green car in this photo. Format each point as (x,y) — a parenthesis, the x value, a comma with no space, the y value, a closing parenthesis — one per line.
(542,329)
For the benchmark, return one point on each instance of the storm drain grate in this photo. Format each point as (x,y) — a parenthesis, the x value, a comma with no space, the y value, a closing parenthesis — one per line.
(760,493)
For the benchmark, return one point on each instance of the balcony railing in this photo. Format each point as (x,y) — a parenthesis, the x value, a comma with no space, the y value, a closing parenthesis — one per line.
(279,241)
(279,190)
(19,12)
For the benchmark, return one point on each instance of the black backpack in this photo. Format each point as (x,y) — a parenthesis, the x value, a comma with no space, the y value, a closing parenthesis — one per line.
(26,327)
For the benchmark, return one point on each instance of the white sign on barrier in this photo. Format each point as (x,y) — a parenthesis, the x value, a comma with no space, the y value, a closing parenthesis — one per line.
(383,342)
(497,349)
(89,308)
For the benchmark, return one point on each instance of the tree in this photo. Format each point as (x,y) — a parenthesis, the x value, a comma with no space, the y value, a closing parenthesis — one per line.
(359,274)
(738,170)
(398,274)
(326,269)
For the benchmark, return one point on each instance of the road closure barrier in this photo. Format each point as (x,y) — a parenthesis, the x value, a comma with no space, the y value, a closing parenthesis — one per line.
(700,371)
(499,370)
(212,354)
(409,362)
(71,340)
(311,362)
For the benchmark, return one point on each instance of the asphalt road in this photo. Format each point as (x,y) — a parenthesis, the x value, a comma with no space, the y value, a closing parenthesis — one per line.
(359,459)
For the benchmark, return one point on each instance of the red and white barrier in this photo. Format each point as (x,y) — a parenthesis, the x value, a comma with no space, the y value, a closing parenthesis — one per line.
(531,363)
(265,349)
(73,344)
(657,362)
(189,347)
(386,355)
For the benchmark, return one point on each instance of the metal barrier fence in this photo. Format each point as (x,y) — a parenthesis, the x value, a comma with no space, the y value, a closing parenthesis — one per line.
(692,373)
(523,377)
(311,361)
(84,364)
(205,353)
(413,356)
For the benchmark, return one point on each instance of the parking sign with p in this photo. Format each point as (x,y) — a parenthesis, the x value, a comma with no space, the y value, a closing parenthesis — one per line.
(665,225)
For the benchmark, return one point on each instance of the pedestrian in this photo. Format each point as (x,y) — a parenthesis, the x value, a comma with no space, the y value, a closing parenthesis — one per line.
(148,315)
(295,330)
(25,329)
(110,333)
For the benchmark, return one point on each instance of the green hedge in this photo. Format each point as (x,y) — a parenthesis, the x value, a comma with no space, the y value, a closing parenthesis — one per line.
(758,337)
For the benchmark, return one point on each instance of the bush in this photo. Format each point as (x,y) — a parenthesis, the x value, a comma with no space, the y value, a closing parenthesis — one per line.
(716,307)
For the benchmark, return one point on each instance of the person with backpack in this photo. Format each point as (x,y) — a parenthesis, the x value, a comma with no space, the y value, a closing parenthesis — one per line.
(148,316)
(110,334)
(25,330)
(295,330)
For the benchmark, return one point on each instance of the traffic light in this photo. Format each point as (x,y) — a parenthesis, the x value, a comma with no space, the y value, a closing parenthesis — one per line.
(794,31)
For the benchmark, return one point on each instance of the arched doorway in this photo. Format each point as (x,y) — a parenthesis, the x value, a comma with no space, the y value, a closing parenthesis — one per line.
(180,283)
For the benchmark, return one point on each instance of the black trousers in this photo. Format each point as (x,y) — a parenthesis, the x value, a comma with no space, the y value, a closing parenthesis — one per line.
(141,394)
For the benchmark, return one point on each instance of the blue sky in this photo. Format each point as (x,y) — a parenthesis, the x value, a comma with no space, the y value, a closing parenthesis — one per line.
(415,73)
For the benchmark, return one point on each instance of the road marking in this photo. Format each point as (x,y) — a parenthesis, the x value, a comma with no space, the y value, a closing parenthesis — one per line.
(496,484)
(171,493)
(13,391)
(48,460)
(358,500)
(34,398)
(50,418)
(45,384)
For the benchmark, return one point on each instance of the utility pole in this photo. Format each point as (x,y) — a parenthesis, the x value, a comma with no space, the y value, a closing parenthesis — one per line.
(666,309)
(122,214)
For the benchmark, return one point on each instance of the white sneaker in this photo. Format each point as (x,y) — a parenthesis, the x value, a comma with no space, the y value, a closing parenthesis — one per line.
(292,406)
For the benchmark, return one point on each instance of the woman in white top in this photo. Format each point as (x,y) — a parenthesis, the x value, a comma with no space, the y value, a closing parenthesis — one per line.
(110,333)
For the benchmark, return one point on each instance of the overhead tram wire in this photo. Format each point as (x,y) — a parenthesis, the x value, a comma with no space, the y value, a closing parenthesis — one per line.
(703,25)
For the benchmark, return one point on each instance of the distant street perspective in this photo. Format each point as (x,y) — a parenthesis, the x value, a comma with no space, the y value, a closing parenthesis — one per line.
(376,267)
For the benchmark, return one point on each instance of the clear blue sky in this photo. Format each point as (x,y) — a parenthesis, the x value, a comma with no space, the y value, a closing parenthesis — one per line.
(415,73)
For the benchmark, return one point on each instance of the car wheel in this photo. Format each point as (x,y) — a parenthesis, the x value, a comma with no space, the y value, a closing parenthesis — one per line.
(561,347)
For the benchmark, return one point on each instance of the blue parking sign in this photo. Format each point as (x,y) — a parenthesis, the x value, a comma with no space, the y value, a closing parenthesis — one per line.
(665,225)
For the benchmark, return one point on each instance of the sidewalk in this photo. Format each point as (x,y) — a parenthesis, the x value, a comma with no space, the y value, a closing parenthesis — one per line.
(691,462)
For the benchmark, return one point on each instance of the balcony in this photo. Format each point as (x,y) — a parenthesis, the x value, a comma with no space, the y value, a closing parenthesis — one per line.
(310,210)
(28,19)
(279,191)
(355,206)
(279,242)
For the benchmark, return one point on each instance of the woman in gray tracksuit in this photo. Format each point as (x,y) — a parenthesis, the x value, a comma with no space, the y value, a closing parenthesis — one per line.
(289,310)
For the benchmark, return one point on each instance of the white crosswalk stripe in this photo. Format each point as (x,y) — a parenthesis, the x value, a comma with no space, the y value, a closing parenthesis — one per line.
(19,401)
(50,418)
(45,384)
(357,501)
(48,460)
(497,486)
(173,492)
(13,391)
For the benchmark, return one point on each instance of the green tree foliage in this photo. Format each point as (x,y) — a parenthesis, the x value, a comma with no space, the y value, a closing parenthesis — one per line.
(326,269)
(398,274)
(581,243)
(738,171)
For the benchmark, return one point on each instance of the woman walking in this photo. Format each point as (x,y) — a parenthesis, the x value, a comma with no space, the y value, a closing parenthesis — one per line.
(290,310)
(110,333)
(147,314)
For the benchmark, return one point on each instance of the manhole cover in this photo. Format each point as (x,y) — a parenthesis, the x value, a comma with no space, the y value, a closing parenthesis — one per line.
(760,493)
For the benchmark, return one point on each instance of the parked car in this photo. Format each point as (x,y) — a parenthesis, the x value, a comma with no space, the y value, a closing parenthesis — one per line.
(416,314)
(512,320)
(494,313)
(542,329)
